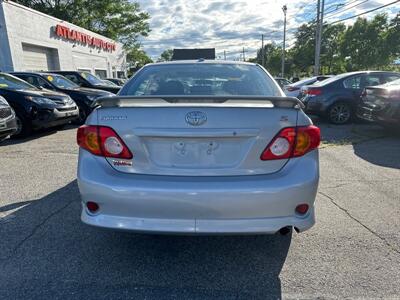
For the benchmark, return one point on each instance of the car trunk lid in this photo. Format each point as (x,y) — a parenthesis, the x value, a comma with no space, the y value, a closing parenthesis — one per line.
(218,138)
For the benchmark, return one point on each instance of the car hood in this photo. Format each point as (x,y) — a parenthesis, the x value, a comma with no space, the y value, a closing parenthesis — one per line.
(42,93)
(113,89)
(90,92)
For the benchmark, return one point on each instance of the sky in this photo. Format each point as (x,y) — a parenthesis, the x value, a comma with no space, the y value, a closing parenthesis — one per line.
(232,25)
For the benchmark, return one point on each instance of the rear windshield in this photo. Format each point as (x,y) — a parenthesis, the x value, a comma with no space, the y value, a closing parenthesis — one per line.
(305,81)
(395,82)
(201,79)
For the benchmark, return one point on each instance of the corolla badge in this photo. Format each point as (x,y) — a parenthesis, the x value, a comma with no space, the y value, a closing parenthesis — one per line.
(196,118)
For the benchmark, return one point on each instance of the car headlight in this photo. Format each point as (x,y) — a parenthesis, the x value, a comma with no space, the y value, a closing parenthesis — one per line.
(41,100)
(3,102)
(69,101)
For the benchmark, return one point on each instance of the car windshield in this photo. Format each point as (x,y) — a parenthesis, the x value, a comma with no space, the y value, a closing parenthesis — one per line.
(91,78)
(213,79)
(110,83)
(14,83)
(61,82)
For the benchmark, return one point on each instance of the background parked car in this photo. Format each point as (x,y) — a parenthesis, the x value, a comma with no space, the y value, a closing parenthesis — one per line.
(36,108)
(381,104)
(294,89)
(118,81)
(8,123)
(110,83)
(282,81)
(83,97)
(336,98)
(88,80)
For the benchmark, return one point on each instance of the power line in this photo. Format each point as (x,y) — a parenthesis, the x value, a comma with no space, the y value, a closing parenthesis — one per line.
(363,13)
(342,10)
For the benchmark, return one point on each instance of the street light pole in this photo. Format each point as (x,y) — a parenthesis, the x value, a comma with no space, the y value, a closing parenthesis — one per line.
(320,25)
(284,9)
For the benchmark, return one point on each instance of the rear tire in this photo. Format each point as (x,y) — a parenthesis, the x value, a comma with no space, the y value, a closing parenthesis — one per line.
(340,113)
(24,127)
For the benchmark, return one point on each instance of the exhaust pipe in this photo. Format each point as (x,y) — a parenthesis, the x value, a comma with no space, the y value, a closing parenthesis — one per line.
(285,230)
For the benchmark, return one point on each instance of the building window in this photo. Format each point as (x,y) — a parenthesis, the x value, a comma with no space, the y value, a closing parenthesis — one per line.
(101,73)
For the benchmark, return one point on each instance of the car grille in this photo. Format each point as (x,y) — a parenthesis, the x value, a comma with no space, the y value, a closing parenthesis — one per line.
(63,101)
(5,112)
(66,108)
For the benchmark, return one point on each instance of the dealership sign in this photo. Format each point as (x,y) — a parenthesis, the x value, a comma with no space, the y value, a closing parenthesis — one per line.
(83,38)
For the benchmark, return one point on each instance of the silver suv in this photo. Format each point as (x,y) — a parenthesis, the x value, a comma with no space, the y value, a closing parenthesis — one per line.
(199,147)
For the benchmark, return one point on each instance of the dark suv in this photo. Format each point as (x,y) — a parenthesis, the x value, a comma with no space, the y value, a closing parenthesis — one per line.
(337,98)
(83,97)
(35,108)
(88,80)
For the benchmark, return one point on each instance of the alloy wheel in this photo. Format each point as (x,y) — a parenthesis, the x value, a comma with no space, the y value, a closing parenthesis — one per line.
(340,113)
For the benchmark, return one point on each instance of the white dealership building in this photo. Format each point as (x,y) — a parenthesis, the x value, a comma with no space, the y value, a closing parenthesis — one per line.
(33,41)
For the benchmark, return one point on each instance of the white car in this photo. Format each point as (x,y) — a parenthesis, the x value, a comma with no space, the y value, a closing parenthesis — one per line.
(295,89)
(199,147)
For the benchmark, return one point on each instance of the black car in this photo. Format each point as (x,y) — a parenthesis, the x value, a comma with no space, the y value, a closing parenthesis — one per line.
(118,81)
(83,97)
(337,98)
(8,122)
(88,80)
(381,104)
(35,108)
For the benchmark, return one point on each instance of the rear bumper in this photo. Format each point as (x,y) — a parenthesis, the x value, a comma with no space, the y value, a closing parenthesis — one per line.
(200,226)
(387,116)
(209,205)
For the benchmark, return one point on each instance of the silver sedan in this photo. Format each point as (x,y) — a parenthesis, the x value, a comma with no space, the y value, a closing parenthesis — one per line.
(202,147)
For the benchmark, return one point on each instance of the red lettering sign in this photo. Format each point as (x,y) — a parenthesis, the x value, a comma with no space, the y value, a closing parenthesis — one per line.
(83,38)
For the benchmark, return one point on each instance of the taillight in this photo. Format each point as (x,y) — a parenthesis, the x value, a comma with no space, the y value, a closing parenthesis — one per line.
(313,92)
(292,88)
(102,141)
(292,142)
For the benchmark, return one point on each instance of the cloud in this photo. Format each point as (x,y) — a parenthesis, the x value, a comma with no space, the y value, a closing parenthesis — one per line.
(232,24)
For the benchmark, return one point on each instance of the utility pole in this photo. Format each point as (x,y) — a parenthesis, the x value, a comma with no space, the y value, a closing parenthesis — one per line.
(284,9)
(224,55)
(262,50)
(318,35)
(244,57)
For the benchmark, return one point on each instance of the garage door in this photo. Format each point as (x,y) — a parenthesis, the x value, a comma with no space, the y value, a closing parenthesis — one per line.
(39,58)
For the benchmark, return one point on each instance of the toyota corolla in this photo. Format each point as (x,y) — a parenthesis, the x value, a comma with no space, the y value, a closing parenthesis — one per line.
(199,147)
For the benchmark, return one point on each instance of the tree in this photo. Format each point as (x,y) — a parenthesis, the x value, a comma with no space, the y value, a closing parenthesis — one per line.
(166,55)
(393,37)
(137,58)
(272,58)
(120,20)
(364,43)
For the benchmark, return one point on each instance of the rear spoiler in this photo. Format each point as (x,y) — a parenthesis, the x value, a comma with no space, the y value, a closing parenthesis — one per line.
(199,101)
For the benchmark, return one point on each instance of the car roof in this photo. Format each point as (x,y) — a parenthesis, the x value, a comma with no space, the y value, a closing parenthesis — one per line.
(200,61)
(364,72)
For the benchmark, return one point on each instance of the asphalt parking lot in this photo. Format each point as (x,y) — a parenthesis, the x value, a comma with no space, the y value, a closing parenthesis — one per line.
(352,251)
